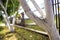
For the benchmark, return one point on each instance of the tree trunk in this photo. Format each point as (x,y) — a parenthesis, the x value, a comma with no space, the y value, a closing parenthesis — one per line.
(5,16)
(48,26)
(7,23)
(43,15)
(52,30)
(59,23)
(31,15)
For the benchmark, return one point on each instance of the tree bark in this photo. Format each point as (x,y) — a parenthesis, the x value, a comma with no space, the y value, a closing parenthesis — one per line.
(5,16)
(50,27)
(52,30)
(31,15)
(59,22)
(39,9)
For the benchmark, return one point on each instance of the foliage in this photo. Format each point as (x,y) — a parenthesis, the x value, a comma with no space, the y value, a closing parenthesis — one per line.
(11,7)
(1,16)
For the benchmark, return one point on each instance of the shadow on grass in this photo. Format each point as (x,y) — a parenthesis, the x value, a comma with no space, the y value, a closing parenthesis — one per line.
(17,34)
(2,36)
(1,28)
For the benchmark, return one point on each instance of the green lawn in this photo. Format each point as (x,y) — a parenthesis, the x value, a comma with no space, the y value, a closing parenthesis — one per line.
(22,34)
(28,21)
(35,27)
(28,35)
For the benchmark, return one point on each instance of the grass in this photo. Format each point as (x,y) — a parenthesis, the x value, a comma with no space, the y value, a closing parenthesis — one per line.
(22,34)
(28,21)
(36,27)
(28,35)
(33,26)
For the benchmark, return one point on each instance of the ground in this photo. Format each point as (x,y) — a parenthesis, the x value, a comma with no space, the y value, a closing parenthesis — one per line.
(22,34)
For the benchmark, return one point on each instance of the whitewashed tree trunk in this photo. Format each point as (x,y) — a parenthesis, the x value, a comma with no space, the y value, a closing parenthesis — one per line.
(13,18)
(6,4)
(5,16)
(31,15)
(52,30)
(38,9)
(10,27)
(48,26)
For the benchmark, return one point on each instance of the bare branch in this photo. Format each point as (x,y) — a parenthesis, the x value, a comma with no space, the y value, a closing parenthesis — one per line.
(3,7)
(49,26)
(38,9)
(14,19)
(31,15)
(6,4)
(5,16)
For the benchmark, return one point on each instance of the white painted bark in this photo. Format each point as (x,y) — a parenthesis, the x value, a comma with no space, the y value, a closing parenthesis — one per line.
(5,16)
(5,19)
(52,30)
(49,26)
(14,19)
(38,9)
(31,15)
(6,4)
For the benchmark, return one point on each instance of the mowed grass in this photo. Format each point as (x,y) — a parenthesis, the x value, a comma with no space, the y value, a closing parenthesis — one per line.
(29,35)
(28,21)
(22,34)
(33,26)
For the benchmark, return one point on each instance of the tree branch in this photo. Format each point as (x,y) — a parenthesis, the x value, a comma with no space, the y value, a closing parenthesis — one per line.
(3,7)
(6,4)
(38,9)
(52,30)
(31,15)
(5,16)
(49,26)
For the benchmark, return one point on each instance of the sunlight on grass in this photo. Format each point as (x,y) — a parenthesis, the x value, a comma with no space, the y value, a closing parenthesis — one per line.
(28,21)
(28,35)
(22,34)
(4,30)
(36,27)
